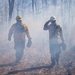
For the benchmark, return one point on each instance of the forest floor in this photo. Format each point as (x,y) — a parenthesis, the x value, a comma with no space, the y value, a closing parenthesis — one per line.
(34,62)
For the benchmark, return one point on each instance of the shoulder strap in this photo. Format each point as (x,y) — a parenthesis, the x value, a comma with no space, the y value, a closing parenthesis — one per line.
(54,31)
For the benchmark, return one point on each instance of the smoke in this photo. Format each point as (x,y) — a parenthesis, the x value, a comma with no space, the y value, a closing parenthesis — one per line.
(64,13)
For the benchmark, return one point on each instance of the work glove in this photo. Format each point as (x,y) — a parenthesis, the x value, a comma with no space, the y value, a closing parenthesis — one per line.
(63,45)
(29,43)
(9,38)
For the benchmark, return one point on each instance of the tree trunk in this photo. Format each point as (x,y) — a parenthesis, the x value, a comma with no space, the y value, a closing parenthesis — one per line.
(11,7)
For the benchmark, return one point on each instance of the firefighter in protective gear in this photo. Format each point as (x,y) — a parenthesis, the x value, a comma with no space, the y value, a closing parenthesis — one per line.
(56,40)
(19,31)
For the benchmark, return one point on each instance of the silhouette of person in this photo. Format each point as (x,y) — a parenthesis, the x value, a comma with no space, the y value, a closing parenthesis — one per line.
(19,30)
(56,40)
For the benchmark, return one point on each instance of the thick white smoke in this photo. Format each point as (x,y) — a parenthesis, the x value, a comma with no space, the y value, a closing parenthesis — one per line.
(64,13)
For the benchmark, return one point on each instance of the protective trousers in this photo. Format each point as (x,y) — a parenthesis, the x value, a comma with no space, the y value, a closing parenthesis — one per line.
(19,54)
(55,50)
(19,47)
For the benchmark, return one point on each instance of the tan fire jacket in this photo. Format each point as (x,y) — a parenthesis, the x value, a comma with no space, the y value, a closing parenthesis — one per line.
(55,32)
(19,31)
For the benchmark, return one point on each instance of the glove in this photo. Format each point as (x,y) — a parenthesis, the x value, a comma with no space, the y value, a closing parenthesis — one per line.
(63,45)
(9,38)
(29,43)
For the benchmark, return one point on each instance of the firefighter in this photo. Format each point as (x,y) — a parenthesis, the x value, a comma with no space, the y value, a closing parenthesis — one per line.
(19,30)
(56,40)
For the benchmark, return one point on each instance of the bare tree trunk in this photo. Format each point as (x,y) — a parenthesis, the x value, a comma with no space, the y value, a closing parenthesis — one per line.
(11,7)
(46,3)
(54,2)
(33,6)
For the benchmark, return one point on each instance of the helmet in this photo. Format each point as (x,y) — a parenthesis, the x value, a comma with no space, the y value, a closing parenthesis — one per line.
(18,18)
(52,18)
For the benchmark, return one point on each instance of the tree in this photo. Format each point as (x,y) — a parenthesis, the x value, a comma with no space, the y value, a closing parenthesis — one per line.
(11,7)
(33,6)
(54,2)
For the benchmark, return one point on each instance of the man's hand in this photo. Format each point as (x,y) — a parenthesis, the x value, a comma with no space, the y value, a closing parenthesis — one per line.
(9,38)
(63,45)
(29,43)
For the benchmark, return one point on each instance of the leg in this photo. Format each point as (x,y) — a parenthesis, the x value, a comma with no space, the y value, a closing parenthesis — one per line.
(57,55)
(19,54)
(55,51)
(52,56)
(19,47)
(52,62)
(57,58)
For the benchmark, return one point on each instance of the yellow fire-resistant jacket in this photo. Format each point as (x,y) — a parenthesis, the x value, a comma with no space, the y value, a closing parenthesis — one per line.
(19,32)
(55,33)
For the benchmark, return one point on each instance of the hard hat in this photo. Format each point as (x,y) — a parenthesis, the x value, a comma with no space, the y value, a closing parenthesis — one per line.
(18,18)
(52,18)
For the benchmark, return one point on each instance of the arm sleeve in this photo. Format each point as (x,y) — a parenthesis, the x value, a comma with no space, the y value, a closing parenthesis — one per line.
(61,35)
(46,26)
(11,31)
(27,32)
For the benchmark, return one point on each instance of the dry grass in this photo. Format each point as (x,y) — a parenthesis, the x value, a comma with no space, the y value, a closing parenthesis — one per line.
(33,59)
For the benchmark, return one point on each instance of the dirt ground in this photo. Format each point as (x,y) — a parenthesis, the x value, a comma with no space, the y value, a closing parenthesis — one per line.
(35,61)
